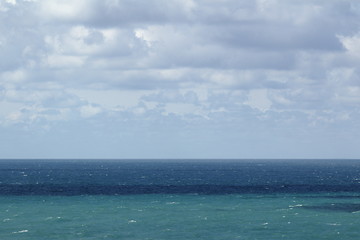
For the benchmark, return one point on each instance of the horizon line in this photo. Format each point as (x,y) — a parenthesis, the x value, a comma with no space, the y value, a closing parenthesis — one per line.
(174,159)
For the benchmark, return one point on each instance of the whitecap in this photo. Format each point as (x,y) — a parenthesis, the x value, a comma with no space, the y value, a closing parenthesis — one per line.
(22,231)
(132,221)
(333,224)
(297,205)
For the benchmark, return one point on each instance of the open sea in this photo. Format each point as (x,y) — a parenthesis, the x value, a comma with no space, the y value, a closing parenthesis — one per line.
(178,199)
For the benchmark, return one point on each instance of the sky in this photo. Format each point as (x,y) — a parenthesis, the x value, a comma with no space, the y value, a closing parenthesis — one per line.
(179,79)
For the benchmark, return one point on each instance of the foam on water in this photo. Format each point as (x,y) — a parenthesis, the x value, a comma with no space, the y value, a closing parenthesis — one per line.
(22,231)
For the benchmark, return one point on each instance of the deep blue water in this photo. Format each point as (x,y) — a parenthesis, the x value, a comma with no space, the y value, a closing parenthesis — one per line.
(173,200)
(109,177)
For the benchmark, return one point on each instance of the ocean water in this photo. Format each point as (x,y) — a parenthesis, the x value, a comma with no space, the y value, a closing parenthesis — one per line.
(222,199)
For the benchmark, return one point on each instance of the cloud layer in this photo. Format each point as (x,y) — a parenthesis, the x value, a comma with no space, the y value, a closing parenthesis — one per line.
(179,78)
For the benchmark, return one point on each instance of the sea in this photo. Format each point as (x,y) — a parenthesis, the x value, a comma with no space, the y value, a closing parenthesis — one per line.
(179,199)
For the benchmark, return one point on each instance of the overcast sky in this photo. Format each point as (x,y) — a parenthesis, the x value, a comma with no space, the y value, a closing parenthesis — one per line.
(179,79)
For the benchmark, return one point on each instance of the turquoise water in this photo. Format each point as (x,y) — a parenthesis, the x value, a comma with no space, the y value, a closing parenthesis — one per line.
(162,216)
(318,210)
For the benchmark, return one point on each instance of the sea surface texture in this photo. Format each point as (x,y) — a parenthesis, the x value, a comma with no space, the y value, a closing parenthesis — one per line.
(173,200)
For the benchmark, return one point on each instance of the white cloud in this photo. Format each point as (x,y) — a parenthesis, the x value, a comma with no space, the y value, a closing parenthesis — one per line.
(13,76)
(63,61)
(8,108)
(351,44)
(258,99)
(182,109)
(179,65)
(89,111)
(66,10)
(13,2)
(110,99)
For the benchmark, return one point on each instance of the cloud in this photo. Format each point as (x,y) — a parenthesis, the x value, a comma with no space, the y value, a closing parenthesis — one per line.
(89,111)
(216,72)
(258,99)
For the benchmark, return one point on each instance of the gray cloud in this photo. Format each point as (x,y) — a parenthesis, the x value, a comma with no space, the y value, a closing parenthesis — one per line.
(243,72)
